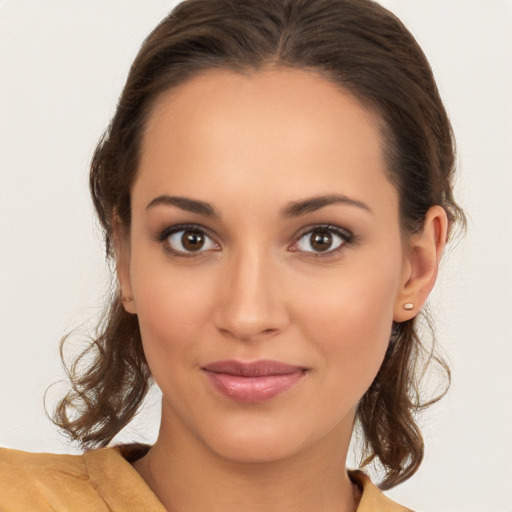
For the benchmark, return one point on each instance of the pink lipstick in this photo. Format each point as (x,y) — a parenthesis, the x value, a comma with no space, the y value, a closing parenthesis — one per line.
(253,382)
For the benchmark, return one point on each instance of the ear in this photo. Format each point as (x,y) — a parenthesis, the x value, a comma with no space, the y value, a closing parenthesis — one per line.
(421,264)
(121,237)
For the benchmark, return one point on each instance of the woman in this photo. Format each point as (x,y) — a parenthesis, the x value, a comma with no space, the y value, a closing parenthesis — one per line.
(275,188)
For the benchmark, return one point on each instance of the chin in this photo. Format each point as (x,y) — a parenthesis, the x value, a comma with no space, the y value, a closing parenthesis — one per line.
(258,444)
(251,452)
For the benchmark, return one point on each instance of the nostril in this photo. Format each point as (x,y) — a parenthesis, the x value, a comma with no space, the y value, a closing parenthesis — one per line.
(247,332)
(249,303)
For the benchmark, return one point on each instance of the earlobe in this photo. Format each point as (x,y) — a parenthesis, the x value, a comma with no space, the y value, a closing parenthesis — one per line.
(422,264)
(121,239)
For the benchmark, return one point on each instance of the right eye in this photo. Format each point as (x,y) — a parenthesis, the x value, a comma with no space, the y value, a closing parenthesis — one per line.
(189,241)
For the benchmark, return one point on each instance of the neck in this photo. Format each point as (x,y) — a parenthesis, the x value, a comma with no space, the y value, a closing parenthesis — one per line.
(188,477)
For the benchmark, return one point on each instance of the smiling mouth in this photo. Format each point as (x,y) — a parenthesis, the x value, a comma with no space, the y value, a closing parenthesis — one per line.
(253,382)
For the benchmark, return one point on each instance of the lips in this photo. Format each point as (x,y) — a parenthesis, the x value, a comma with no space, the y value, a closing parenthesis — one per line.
(253,382)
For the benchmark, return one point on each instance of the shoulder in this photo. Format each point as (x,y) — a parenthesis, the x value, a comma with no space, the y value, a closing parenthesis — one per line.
(42,481)
(99,480)
(26,462)
(372,498)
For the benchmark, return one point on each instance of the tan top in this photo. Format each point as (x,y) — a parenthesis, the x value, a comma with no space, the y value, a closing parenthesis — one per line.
(104,481)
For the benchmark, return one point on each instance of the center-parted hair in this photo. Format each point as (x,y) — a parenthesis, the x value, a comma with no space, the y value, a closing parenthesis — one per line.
(364,49)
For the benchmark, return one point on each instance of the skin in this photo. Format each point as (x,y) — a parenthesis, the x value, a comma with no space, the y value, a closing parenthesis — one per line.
(250,146)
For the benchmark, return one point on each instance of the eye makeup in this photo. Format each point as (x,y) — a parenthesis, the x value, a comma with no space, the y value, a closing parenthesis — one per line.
(194,240)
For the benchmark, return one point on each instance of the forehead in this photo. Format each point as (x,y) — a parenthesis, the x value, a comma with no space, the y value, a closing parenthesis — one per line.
(283,129)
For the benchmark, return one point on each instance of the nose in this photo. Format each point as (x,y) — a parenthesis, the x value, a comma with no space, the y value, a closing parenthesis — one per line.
(251,301)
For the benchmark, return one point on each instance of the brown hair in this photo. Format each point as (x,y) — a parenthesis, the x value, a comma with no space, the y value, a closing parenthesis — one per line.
(356,44)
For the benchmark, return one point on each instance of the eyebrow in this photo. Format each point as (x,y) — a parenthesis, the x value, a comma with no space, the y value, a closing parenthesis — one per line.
(313,204)
(294,209)
(184,203)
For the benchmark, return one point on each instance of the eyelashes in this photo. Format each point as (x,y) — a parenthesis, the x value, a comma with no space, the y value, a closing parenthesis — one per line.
(194,240)
(187,240)
(323,240)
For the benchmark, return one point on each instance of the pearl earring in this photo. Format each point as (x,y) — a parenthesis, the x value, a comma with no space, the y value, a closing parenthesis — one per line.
(408,306)
(127,299)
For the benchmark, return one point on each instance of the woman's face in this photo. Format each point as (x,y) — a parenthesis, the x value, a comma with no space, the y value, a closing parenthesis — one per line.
(264,259)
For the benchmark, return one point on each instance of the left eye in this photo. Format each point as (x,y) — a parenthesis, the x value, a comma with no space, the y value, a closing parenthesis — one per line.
(321,240)
(190,240)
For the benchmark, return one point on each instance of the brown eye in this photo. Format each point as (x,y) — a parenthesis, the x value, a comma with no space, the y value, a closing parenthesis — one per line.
(323,240)
(187,241)
(192,240)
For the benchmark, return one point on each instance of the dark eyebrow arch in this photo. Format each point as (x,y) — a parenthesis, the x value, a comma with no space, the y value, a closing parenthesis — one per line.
(186,204)
(312,204)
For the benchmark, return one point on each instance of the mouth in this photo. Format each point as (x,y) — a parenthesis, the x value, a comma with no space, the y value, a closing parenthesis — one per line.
(253,382)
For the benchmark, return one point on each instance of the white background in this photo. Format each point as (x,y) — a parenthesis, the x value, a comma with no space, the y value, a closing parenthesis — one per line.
(62,66)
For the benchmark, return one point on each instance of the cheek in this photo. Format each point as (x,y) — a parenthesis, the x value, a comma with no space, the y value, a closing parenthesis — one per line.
(351,321)
(173,309)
